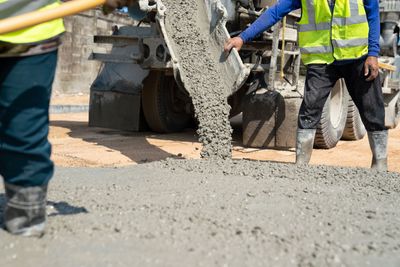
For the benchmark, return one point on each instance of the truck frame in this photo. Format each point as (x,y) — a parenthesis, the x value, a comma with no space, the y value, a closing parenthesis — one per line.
(139,85)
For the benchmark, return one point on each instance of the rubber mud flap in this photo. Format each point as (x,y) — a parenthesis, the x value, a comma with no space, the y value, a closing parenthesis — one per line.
(259,119)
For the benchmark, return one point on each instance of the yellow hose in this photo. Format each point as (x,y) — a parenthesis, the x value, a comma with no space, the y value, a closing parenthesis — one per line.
(40,16)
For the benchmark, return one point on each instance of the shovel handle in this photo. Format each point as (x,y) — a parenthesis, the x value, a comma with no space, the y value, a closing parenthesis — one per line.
(386,66)
(40,16)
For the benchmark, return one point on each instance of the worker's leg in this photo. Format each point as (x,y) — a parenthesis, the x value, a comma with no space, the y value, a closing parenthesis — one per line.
(368,98)
(25,165)
(320,80)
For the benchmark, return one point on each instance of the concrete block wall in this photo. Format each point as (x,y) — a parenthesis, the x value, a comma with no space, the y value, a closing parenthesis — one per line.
(75,73)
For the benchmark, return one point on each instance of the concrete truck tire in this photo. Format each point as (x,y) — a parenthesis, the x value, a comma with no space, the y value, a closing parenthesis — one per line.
(354,129)
(334,115)
(163,110)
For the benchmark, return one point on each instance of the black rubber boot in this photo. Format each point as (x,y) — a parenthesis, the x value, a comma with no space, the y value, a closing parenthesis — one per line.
(304,145)
(378,144)
(25,210)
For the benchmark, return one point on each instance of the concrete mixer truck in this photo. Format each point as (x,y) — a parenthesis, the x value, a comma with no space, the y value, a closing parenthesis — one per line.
(139,85)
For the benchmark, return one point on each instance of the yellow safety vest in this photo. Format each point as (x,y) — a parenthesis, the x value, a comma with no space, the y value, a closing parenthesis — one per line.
(35,34)
(325,37)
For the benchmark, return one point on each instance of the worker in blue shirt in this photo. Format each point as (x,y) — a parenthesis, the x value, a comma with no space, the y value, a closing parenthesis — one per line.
(337,39)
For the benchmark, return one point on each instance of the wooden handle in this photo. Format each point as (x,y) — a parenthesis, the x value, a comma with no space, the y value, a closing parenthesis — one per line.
(40,16)
(386,66)
(283,48)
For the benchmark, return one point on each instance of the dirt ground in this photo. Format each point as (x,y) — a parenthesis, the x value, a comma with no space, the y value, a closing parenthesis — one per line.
(76,145)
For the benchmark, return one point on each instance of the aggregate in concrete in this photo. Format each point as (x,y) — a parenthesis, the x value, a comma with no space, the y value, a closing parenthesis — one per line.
(203,77)
(216,213)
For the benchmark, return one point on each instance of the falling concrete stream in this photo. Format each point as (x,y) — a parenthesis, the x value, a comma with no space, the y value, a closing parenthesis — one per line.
(189,29)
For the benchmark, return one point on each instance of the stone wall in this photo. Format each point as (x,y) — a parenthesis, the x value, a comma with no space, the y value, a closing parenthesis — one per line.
(75,73)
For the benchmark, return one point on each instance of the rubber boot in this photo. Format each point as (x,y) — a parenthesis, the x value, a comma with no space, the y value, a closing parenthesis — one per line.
(378,144)
(304,145)
(25,210)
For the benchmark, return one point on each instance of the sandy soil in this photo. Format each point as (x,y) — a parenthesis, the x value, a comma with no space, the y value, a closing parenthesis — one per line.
(74,99)
(76,145)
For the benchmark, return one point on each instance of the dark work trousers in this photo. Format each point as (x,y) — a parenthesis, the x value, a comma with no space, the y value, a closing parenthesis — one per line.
(25,89)
(367,96)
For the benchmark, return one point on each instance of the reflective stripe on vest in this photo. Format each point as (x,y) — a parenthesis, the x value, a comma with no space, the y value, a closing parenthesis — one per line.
(316,50)
(324,37)
(350,43)
(11,8)
(35,34)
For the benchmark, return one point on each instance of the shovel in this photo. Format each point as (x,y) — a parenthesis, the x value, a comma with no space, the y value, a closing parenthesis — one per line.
(40,16)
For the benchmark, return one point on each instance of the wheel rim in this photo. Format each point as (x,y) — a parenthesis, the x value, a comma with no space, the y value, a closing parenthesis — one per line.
(162,107)
(336,104)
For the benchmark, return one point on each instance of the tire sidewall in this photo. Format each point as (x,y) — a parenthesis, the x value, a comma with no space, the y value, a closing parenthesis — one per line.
(328,135)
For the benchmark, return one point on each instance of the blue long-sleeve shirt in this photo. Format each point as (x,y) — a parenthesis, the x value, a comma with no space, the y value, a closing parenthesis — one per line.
(284,7)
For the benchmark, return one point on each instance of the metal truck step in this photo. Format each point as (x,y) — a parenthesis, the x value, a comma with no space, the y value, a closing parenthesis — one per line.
(116,39)
(115,58)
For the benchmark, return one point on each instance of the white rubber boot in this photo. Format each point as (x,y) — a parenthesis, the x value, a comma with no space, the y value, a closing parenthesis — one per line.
(378,144)
(304,145)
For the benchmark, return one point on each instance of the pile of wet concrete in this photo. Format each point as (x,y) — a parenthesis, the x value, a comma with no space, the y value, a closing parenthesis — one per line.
(188,27)
(216,213)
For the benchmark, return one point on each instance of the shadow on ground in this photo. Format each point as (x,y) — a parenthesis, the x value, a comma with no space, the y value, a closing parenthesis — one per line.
(62,208)
(133,145)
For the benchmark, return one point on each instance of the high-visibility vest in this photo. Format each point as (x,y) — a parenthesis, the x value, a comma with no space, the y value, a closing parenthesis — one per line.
(325,37)
(35,34)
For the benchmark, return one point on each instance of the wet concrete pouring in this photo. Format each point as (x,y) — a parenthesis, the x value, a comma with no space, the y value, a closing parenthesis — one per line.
(214,212)
(201,75)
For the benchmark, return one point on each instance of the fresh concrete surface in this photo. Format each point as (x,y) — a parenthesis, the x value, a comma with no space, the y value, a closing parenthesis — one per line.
(215,213)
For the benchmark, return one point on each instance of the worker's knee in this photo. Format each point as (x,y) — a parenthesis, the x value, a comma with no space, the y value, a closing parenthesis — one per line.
(25,152)
(375,125)
(309,115)
(25,149)
(306,122)
(24,125)
(26,170)
(373,116)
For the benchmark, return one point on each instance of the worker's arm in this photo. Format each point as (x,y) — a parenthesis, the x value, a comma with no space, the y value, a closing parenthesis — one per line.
(372,11)
(371,68)
(268,19)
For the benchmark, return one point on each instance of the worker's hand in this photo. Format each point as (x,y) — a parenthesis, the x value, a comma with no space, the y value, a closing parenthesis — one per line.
(235,42)
(371,68)
(111,5)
